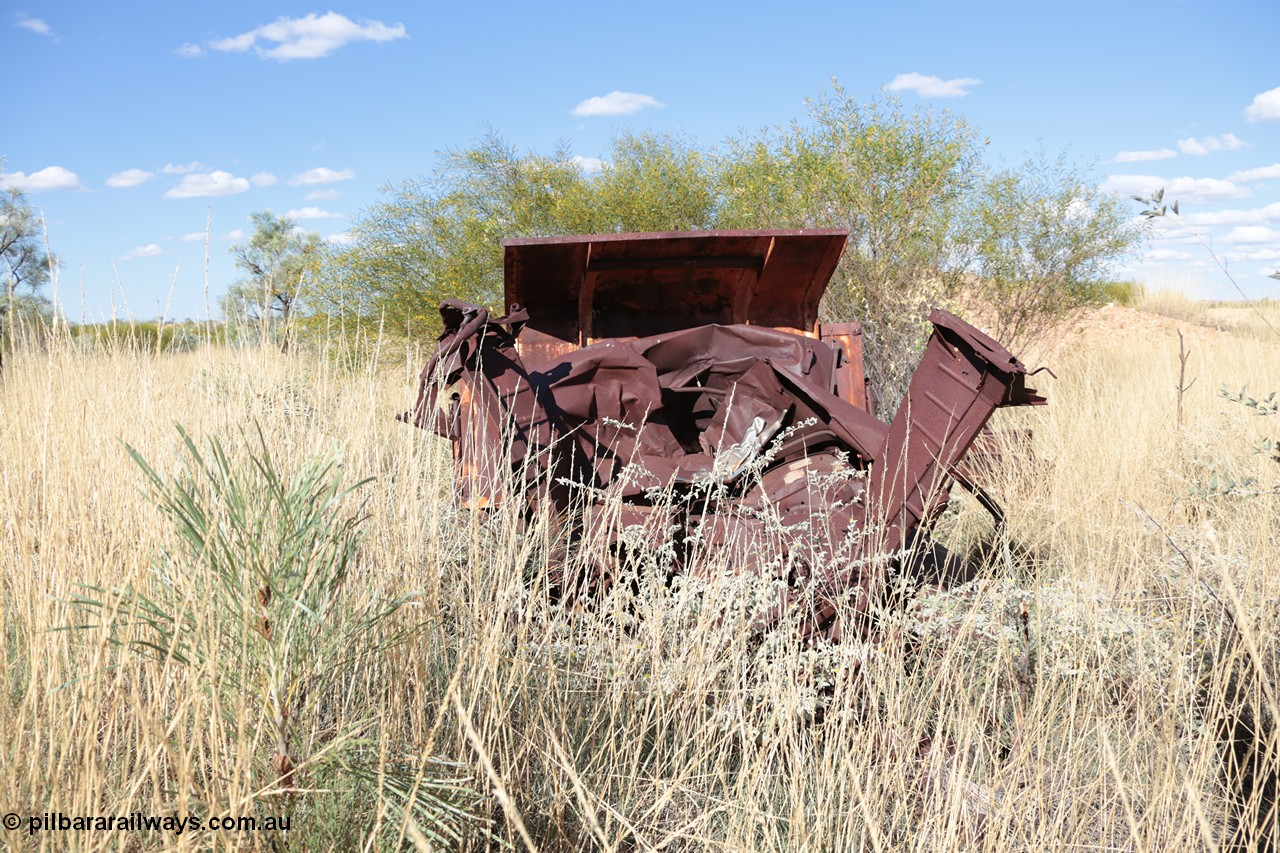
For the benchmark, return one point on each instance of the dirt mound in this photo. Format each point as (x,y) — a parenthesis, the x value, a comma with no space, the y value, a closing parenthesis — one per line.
(1116,322)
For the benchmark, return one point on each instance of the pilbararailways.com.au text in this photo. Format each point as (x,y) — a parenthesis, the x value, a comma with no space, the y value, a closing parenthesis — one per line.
(138,822)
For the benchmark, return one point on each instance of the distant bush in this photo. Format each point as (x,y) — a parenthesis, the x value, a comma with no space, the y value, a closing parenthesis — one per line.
(924,214)
(1040,240)
(1130,294)
(148,335)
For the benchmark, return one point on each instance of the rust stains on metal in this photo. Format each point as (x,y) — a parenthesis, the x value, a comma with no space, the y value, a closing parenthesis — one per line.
(579,290)
(636,364)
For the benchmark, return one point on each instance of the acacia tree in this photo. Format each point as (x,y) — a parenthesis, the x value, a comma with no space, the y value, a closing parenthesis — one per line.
(278,259)
(651,182)
(441,237)
(1038,240)
(896,181)
(908,186)
(24,263)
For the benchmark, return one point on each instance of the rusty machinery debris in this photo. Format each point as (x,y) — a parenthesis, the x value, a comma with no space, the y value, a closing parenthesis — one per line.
(630,365)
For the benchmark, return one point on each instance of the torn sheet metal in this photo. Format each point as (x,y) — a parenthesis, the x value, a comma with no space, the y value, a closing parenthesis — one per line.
(744,396)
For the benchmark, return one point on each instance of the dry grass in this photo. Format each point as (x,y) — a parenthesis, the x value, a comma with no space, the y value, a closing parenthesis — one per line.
(1072,699)
(1259,319)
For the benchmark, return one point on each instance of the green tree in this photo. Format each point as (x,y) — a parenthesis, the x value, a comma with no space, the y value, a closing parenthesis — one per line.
(1039,240)
(896,181)
(442,237)
(926,221)
(278,259)
(651,182)
(24,264)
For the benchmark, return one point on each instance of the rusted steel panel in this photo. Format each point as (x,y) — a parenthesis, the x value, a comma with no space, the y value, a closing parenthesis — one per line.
(961,380)
(539,350)
(776,420)
(850,373)
(592,287)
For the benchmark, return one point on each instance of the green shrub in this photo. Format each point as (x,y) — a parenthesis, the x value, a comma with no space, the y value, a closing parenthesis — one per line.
(150,335)
(1130,294)
(250,603)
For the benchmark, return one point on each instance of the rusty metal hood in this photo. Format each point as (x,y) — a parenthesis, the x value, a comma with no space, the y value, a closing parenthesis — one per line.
(585,288)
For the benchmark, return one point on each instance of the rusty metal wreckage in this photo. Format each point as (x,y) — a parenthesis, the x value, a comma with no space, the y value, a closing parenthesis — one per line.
(631,365)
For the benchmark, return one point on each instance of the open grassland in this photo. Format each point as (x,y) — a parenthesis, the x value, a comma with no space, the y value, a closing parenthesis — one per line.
(1108,683)
(1259,319)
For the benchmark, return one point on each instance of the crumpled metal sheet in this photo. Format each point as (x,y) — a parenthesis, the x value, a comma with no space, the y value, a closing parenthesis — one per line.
(694,364)
(700,405)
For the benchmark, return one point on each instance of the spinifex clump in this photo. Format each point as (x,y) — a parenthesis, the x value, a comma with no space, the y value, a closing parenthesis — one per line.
(267,554)
(250,603)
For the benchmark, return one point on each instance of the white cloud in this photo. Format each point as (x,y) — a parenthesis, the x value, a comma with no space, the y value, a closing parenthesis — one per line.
(1260,174)
(206,184)
(48,178)
(148,251)
(130,178)
(1182,190)
(190,51)
(1269,254)
(615,104)
(264,179)
(927,86)
(312,213)
(323,195)
(35,25)
(1265,107)
(1169,233)
(322,175)
(1253,234)
(1167,255)
(235,44)
(1255,216)
(1140,156)
(198,236)
(342,238)
(181,168)
(1200,147)
(588,164)
(312,37)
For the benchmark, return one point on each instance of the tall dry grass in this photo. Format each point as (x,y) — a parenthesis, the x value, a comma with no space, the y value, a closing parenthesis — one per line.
(1259,318)
(1085,693)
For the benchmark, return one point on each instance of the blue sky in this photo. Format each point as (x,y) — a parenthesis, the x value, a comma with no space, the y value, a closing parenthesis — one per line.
(136,123)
